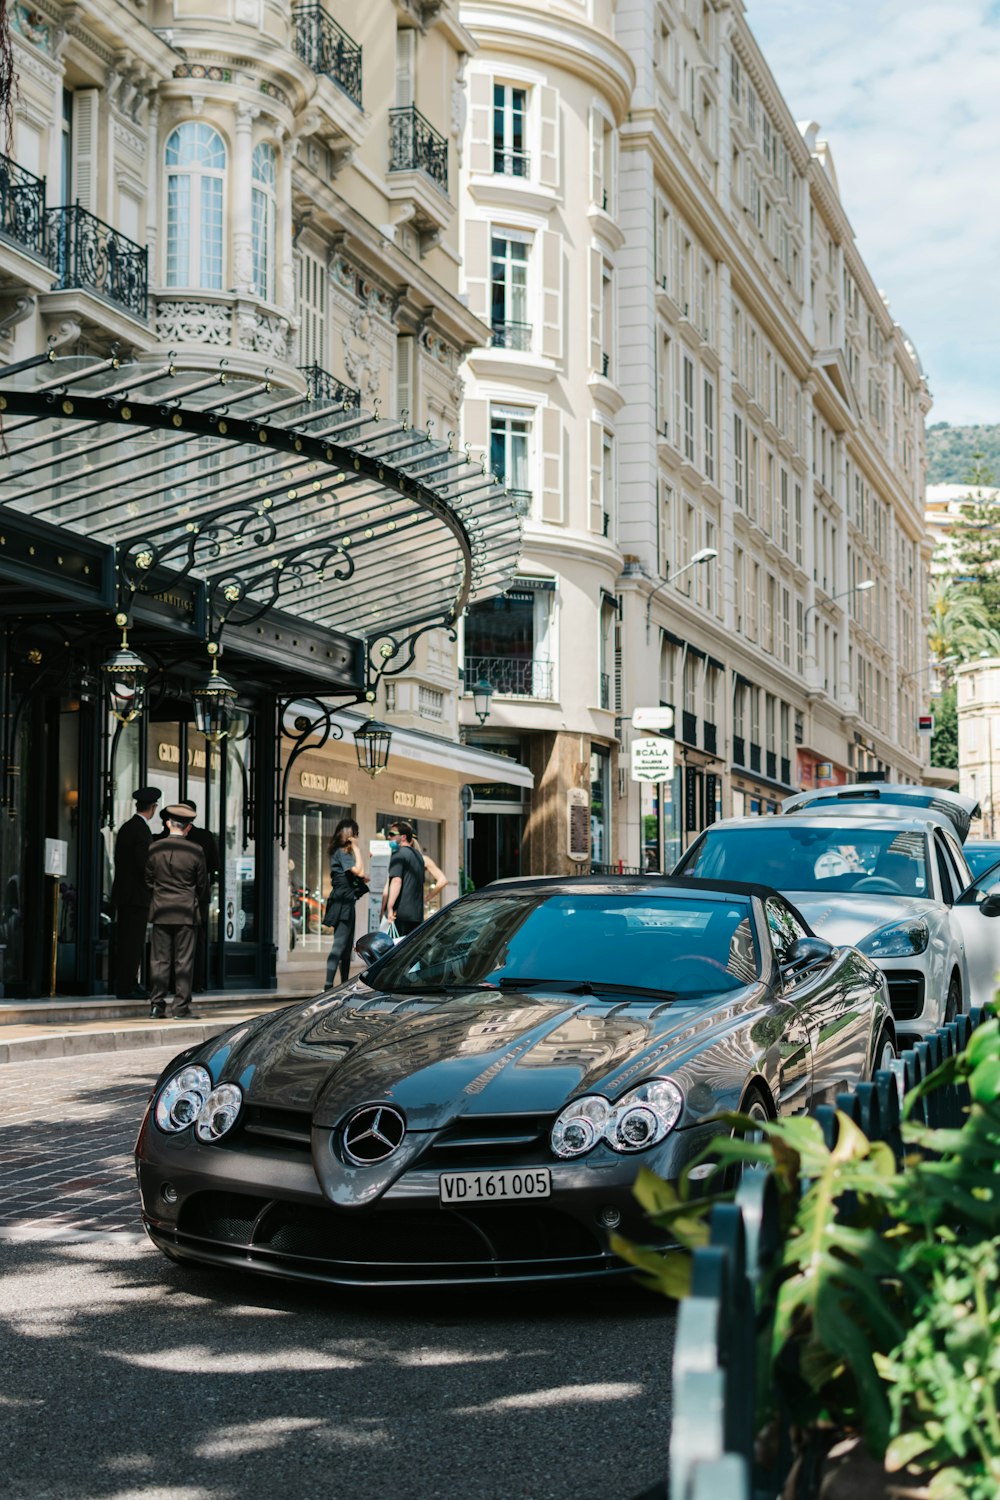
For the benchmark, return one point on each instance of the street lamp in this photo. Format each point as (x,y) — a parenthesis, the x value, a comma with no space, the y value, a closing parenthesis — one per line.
(466,797)
(931,666)
(858,588)
(371,742)
(482,692)
(214,702)
(705,555)
(124,675)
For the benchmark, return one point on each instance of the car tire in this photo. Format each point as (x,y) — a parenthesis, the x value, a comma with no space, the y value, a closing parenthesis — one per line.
(953,1004)
(756,1103)
(885,1049)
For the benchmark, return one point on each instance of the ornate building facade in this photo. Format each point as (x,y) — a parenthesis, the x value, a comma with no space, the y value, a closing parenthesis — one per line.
(709,417)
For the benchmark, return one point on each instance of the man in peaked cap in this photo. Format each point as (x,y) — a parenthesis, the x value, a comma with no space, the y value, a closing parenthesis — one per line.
(129,893)
(177,876)
(209,847)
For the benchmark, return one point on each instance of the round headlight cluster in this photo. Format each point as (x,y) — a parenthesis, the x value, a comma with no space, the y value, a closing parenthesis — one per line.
(188,1098)
(639,1119)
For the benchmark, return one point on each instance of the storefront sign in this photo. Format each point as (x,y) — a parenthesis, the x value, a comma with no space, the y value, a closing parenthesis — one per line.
(652,760)
(824,770)
(170,755)
(656,720)
(925,723)
(411,799)
(313,781)
(578,823)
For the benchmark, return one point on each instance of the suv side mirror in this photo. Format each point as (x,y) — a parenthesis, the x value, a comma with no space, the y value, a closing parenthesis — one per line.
(373,945)
(990,904)
(805,952)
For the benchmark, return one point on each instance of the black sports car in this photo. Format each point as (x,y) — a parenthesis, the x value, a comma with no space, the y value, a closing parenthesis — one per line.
(475,1106)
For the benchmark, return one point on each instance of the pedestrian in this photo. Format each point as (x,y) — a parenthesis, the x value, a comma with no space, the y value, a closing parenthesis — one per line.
(403,896)
(130,895)
(209,847)
(347,884)
(177,876)
(432,872)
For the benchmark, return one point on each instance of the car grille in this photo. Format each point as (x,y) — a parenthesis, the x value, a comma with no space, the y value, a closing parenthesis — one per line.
(488,1140)
(394,1244)
(285,1130)
(906,994)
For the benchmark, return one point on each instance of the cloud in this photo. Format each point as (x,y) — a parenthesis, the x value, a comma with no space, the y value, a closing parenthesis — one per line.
(906,96)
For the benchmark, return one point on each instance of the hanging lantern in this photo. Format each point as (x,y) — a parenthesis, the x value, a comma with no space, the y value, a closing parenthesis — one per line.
(215,704)
(482,692)
(124,677)
(372,741)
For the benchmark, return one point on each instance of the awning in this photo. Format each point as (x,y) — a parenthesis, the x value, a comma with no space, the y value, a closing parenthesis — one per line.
(270,498)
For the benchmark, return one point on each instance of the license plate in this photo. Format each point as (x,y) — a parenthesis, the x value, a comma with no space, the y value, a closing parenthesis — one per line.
(493,1187)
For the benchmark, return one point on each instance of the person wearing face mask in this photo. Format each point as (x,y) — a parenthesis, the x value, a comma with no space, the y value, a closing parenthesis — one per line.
(403,896)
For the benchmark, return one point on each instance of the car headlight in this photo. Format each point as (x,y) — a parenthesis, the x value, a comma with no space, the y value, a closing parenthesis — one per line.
(639,1119)
(219,1112)
(180,1100)
(897,940)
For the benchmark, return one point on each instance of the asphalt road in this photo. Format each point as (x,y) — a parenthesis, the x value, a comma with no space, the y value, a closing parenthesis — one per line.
(125,1376)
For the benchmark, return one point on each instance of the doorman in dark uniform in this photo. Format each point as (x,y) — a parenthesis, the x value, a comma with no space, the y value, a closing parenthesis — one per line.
(178,879)
(130,894)
(206,842)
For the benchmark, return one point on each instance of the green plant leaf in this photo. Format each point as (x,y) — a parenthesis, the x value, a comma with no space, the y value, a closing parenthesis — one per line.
(903,1449)
(984,1082)
(668,1271)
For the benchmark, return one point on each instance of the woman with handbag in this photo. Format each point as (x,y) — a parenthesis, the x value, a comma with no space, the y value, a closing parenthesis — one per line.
(347,886)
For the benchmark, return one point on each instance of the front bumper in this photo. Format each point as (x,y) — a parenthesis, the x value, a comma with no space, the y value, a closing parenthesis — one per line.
(264,1210)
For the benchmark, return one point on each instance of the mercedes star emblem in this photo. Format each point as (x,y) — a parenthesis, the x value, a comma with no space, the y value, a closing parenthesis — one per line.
(372,1133)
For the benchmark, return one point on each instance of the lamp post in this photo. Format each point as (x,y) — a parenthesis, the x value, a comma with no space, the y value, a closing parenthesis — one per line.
(858,588)
(371,742)
(214,703)
(124,675)
(705,555)
(482,692)
(467,795)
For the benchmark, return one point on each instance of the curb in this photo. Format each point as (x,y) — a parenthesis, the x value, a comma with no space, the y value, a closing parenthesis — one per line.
(85,1043)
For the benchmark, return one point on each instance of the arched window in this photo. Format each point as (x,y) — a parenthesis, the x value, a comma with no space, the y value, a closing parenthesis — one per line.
(265,182)
(196,165)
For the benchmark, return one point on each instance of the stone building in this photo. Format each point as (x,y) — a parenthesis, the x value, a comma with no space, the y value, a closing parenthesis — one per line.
(709,418)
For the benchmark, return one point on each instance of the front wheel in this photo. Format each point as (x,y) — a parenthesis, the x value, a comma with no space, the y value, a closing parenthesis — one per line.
(953,1004)
(885,1050)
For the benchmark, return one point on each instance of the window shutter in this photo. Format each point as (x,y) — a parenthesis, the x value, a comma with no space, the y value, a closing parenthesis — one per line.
(552,267)
(596,157)
(406,56)
(596,519)
(476,427)
(596,279)
(481,122)
(86,129)
(548,156)
(552,495)
(405,350)
(477,267)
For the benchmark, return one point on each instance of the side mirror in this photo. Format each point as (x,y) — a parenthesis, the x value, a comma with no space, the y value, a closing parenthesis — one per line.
(990,904)
(373,945)
(806,951)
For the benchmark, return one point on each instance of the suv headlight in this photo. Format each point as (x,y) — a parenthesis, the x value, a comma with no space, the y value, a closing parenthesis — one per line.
(897,940)
(639,1119)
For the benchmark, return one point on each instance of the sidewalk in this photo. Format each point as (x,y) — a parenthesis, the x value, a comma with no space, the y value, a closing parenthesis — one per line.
(71,1026)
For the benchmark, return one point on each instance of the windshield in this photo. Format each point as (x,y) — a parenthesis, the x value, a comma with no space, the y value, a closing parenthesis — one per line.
(827,858)
(673,946)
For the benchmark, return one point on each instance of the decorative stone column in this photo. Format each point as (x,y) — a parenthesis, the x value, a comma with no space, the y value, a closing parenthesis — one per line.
(241,206)
(285,267)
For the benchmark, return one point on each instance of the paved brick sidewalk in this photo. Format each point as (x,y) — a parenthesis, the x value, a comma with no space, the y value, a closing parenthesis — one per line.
(67,1129)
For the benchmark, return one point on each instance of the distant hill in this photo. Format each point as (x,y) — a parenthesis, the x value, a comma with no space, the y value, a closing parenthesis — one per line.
(950,451)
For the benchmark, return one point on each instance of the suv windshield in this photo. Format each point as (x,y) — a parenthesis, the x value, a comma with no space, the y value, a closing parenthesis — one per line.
(828,858)
(642,941)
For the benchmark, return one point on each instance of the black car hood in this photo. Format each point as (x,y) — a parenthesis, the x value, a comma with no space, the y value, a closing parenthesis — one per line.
(437,1057)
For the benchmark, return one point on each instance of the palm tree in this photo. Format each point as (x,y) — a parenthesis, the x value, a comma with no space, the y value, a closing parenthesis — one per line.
(959,624)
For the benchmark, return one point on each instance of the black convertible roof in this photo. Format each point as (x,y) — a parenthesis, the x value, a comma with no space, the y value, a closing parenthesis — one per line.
(686,885)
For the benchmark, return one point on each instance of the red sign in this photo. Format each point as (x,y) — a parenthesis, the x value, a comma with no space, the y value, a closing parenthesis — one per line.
(925,723)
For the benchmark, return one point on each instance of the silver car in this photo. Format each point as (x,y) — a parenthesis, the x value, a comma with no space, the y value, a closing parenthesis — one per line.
(891,880)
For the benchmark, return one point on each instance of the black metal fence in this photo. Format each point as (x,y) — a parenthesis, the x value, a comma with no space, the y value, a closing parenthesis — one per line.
(327,48)
(714,1415)
(414,144)
(22,206)
(87,253)
(322,386)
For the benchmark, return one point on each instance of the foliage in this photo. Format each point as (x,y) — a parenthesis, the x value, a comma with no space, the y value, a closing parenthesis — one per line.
(976,541)
(951,451)
(958,620)
(944,743)
(880,1312)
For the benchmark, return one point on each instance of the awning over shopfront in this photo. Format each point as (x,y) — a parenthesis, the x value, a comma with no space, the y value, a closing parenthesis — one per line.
(265,498)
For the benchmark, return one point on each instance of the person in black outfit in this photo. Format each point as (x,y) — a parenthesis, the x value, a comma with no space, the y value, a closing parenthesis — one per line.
(345,861)
(129,894)
(177,876)
(206,842)
(403,897)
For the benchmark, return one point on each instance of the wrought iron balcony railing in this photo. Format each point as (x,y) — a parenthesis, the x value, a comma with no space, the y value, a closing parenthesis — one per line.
(511,163)
(322,386)
(86,252)
(22,206)
(327,48)
(605,685)
(605,364)
(521,500)
(512,336)
(689,727)
(708,731)
(414,145)
(511,676)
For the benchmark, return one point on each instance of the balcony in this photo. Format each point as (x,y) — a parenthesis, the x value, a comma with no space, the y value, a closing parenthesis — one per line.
(786,771)
(88,254)
(512,676)
(511,163)
(708,730)
(511,336)
(327,49)
(415,146)
(754,756)
(689,727)
(606,366)
(739,750)
(771,766)
(322,386)
(22,207)
(605,686)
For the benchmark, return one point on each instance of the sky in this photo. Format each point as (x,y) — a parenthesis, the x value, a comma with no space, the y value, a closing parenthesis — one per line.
(908,95)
